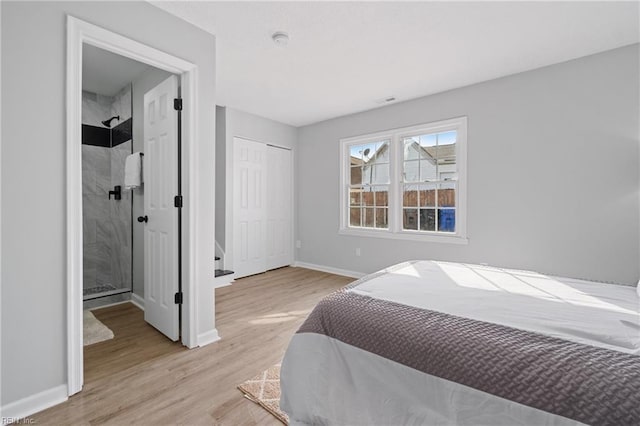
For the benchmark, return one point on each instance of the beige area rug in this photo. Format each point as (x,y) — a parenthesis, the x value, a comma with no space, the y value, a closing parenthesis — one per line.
(264,389)
(93,330)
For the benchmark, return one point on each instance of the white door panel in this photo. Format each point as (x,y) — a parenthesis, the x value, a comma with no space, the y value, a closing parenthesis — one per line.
(161,185)
(279,208)
(249,210)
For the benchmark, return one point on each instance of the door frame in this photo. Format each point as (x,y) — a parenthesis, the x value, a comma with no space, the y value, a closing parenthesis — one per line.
(79,32)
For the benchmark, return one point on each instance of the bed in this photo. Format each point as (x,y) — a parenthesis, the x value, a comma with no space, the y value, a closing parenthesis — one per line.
(442,343)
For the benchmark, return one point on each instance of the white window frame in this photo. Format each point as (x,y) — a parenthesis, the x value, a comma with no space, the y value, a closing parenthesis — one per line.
(395,231)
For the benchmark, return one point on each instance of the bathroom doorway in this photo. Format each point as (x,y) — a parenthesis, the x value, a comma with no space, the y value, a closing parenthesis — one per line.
(130,239)
(194,310)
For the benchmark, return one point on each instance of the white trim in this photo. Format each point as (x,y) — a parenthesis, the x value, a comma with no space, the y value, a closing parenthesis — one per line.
(32,404)
(223,281)
(404,235)
(329,269)
(137,301)
(189,88)
(0,199)
(79,32)
(395,136)
(208,337)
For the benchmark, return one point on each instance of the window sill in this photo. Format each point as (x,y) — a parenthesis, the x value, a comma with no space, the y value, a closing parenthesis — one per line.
(408,236)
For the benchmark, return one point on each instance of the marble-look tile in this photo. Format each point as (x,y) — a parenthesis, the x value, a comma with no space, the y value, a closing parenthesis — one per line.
(107,222)
(98,159)
(105,232)
(121,104)
(89,265)
(88,178)
(126,147)
(103,185)
(121,267)
(121,210)
(125,269)
(121,233)
(121,243)
(95,108)
(89,230)
(103,267)
(105,104)
(96,207)
(101,162)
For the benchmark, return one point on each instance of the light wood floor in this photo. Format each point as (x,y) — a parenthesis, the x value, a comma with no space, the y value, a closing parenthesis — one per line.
(140,377)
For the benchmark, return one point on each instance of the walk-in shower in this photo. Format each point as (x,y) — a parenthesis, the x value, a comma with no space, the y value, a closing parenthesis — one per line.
(106,209)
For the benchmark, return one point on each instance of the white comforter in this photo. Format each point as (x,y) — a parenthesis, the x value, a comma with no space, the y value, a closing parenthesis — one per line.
(325,381)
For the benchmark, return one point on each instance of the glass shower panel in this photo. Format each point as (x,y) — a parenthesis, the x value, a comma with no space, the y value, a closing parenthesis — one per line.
(107,217)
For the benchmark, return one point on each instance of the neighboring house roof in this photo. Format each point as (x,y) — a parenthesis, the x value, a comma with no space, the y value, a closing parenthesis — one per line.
(355,161)
(444,153)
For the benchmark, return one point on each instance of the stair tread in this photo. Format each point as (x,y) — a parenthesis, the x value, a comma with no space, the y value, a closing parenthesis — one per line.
(222,272)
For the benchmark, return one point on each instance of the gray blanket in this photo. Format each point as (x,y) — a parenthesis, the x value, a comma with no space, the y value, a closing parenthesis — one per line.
(585,383)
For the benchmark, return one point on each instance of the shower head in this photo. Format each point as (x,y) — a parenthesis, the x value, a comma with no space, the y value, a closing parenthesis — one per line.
(108,122)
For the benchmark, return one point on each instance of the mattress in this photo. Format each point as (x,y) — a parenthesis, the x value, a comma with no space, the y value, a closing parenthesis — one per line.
(447,343)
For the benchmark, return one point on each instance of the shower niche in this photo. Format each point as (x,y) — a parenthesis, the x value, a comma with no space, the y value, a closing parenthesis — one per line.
(106,206)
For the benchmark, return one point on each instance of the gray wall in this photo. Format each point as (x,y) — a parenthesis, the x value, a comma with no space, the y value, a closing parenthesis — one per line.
(34,279)
(221,170)
(552,173)
(235,123)
(141,85)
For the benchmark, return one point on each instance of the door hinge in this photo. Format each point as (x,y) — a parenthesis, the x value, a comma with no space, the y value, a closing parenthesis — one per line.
(177,104)
(177,298)
(177,201)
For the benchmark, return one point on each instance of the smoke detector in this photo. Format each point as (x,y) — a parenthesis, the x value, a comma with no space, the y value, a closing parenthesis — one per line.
(280,38)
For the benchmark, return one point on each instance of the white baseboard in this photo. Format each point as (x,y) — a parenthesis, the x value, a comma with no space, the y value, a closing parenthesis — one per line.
(329,269)
(223,281)
(208,337)
(24,407)
(137,300)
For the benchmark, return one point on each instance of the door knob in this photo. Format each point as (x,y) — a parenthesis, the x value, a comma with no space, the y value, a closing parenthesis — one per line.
(144,219)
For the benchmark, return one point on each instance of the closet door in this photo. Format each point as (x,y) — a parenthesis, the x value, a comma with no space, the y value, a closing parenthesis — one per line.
(279,208)
(249,207)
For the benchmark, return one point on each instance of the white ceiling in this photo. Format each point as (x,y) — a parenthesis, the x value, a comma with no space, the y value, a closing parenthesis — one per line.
(346,57)
(106,73)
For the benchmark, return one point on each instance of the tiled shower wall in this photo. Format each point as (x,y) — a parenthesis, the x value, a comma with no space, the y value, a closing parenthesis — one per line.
(107,223)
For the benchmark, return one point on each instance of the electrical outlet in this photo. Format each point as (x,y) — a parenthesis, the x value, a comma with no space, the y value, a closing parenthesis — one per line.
(358,251)
(298,244)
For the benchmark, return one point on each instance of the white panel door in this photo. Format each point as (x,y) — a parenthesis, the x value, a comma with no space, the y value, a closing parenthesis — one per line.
(279,208)
(160,170)
(249,207)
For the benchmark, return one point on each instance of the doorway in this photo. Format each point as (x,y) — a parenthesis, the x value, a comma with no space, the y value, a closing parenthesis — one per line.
(130,169)
(80,33)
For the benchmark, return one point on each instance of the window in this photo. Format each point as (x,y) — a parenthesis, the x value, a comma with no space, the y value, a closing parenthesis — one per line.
(406,183)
